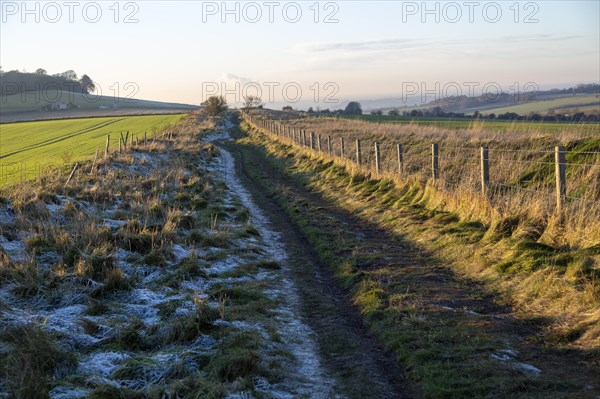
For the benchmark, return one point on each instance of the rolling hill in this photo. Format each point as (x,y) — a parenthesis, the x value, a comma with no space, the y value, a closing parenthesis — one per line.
(32,106)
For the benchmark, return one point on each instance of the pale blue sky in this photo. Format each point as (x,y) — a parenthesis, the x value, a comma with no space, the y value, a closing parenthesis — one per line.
(370,52)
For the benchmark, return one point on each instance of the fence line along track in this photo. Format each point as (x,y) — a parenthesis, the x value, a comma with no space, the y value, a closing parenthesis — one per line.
(400,165)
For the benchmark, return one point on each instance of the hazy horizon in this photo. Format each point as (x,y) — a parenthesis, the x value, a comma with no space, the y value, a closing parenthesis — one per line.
(184,51)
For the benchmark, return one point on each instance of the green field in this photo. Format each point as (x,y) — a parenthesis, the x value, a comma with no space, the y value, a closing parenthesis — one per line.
(588,101)
(480,124)
(28,148)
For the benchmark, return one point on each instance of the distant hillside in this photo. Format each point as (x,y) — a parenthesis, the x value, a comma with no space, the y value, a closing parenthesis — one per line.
(34,96)
(58,104)
(38,101)
(588,103)
(488,102)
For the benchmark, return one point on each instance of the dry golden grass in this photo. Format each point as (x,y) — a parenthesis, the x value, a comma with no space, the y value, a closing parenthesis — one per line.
(545,264)
(522,182)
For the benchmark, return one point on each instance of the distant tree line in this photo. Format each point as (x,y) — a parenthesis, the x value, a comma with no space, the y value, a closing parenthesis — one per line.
(583,88)
(353,108)
(438,112)
(463,102)
(16,82)
(551,116)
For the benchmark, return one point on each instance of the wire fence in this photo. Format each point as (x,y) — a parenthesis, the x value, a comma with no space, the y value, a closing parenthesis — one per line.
(480,169)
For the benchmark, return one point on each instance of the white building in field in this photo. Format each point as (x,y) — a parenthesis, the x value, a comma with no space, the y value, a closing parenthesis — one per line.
(58,106)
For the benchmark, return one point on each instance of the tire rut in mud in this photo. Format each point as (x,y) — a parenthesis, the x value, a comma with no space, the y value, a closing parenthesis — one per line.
(350,352)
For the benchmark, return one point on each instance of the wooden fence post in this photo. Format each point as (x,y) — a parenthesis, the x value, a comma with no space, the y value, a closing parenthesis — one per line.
(400,159)
(106,149)
(304,142)
(358,157)
(341,147)
(312,140)
(145,140)
(319,143)
(377,159)
(485,170)
(435,169)
(94,163)
(329,145)
(120,144)
(72,174)
(561,178)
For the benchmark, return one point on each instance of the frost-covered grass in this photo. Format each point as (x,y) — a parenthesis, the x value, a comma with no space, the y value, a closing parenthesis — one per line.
(145,277)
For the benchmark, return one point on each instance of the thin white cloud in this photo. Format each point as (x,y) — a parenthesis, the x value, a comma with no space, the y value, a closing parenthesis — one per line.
(232,79)
(544,37)
(372,45)
(386,45)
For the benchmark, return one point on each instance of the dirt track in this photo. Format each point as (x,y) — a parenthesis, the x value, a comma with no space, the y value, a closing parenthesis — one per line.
(362,367)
